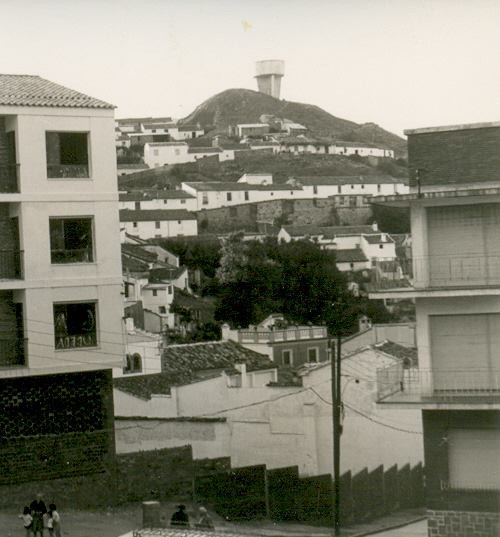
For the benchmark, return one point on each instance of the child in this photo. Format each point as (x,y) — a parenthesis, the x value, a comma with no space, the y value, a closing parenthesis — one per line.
(54,522)
(27,520)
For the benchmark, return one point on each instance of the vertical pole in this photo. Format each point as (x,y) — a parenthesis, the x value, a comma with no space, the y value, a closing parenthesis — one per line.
(334,428)
(336,434)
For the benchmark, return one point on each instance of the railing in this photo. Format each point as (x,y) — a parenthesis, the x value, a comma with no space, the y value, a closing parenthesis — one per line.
(288,334)
(13,351)
(456,270)
(437,385)
(79,255)
(11,264)
(9,178)
(71,171)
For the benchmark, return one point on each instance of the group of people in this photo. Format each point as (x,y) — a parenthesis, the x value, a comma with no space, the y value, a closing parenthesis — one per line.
(181,518)
(36,517)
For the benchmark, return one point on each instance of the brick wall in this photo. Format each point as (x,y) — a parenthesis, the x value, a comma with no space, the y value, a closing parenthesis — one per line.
(463,524)
(463,156)
(297,212)
(55,426)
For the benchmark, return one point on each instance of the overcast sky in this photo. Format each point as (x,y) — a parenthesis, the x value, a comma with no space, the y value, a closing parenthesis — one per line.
(399,63)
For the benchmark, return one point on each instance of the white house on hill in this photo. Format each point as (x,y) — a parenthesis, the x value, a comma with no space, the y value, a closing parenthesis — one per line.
(159,223)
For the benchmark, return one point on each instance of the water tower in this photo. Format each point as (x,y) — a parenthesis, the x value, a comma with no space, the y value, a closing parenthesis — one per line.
(269,74)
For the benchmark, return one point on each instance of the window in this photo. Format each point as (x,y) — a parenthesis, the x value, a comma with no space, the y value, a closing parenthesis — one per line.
(381,246)
(75,325)
(133,363)
(473,458)
(164,202)
(137,205)
(229,196)
(157,225)
(67,154)
(379,188)
(154,130)
(183,202)
(312,354)
(162,309)
(247,196)
(155,292)
(351,265)
(71,240)
(179,221)
(170,290)
(287,357)
(134,224)
(204,199)
(339,189)
(315,189)
(363,186)
(352,187)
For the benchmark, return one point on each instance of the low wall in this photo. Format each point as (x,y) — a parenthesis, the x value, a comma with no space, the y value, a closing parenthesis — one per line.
(293,212)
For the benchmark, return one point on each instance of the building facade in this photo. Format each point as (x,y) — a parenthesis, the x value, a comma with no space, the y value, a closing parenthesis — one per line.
(158,223)
(455,218)
(60,277)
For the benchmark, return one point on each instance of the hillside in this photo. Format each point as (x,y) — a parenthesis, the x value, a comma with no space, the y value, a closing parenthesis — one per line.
(282,166)
(246,106)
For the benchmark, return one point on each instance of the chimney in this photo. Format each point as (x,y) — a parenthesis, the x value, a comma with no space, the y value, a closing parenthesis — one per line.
(375,226)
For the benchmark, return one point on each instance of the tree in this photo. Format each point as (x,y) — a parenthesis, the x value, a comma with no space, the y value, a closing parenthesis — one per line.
(392,219)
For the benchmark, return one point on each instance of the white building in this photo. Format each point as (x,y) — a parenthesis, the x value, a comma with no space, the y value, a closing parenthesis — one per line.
(212,195)
(256,179)
(61,327)
(157,199)
(161,153)
(158,223)
(359,148)
(251,129)
(367,185)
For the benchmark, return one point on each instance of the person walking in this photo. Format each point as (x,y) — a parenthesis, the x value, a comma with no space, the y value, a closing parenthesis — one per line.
(54,523)
(27,520)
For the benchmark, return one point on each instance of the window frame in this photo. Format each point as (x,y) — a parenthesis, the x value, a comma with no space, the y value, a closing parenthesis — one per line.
(290,363)
(316,350)
(93,248)
(89,176)
(96,321)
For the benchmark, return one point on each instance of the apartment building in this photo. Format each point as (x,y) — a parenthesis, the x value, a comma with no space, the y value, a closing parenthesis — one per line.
(60,279)
(455,219)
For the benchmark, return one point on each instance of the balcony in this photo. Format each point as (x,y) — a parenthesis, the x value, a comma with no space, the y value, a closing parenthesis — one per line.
(11,264)
(67,171)
(457,271)
(79,255)
(9,182)
(13,351)
(396,384)
(277,336)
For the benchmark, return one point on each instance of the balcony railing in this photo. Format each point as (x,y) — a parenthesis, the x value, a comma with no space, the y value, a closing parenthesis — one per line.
(80,255)
(401,384)
(13,351)
(288,334)
(456,270)
(9,178)
(70,171)
(11,262)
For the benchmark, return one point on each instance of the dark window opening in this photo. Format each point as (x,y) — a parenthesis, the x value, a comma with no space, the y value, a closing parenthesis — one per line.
(247,196)
(312,355)
(67,154)
(315,189)
(162,309)
(137,205)
(134,363)
(71,240)
(229,196)
(157,225)
(75,325)
(287,358)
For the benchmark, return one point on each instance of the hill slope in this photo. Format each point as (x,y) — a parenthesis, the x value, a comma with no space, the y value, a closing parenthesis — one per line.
(246,106)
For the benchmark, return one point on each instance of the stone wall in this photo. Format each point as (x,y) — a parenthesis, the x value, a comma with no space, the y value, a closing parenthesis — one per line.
(463,524)
(324,212)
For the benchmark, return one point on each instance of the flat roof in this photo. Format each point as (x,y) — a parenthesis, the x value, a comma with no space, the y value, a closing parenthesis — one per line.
(460,127)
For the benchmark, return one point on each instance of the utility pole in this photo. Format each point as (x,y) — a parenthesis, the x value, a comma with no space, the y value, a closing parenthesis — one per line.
(336,369)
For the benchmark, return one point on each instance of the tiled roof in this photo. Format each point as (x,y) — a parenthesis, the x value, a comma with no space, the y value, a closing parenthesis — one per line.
(156,194)
(220,186)
(30,90)
(151,126)
(161,144)
(252,125)
(218,355)
(168,272)
(328,232)
(136,250)
(133,166)
(184,299)
(131,264)
(144,386)
(350,180)
(352,255)
(379,238)
(408,354)
(129,215)
(187,128)
(204,150)
(264,144)
(341,143)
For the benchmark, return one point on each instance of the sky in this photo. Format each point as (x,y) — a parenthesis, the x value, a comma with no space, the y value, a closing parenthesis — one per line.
(398,63)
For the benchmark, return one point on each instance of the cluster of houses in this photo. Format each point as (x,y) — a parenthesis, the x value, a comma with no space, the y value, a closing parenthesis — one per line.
(166,142)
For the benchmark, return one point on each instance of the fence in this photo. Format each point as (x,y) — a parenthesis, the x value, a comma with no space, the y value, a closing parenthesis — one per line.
(281,495)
